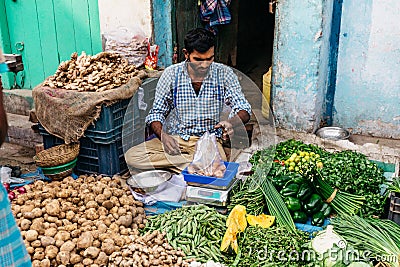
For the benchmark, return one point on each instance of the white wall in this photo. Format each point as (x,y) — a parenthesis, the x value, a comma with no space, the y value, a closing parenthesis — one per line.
(125,13)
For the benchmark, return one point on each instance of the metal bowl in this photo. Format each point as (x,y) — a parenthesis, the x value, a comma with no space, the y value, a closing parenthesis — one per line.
(149,181)
(333,133)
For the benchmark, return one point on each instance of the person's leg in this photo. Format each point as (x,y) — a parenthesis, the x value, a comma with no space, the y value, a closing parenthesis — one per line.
(151,155)
(221,151)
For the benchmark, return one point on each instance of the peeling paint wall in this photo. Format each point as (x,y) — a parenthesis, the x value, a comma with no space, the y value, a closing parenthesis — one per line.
(163,21)
(141,16)
(300,63)
(367,98)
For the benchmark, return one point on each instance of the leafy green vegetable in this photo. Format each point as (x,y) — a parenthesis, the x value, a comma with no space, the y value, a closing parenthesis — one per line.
(274,246)
(353,173)
(393,186)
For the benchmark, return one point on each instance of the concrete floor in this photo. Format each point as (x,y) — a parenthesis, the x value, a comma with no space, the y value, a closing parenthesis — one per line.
(17,155)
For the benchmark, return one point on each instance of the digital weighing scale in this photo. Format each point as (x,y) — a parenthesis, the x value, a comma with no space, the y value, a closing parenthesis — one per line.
(211,190)
(212,196)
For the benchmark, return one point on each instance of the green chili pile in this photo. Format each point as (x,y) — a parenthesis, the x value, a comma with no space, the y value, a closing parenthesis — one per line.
(273,246)
(252,199)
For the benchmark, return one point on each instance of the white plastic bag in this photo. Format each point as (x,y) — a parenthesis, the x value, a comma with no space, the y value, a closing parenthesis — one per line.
(5,173)
(129,42)
(207,159)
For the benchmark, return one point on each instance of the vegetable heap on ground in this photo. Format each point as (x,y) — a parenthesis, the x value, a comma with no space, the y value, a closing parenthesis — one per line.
(373,239)
(197,230)
(90,221)
(274,246)
(351,173)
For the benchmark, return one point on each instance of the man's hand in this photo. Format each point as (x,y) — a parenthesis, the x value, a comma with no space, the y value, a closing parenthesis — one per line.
(227,129)
(171,146)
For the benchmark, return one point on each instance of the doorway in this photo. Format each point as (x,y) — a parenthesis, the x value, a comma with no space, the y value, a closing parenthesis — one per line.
(245,44)
(255,39)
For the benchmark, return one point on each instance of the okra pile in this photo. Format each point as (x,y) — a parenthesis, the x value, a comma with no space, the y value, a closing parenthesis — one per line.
(197,230)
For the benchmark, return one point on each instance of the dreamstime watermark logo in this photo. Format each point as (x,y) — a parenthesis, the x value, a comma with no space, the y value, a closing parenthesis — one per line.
(339,253)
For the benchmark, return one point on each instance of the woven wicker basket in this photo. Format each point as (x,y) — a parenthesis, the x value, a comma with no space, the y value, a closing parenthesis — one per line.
(60,176)
(57,155)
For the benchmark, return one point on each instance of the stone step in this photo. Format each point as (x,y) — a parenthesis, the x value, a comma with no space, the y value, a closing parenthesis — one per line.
(18,101)
(21,131)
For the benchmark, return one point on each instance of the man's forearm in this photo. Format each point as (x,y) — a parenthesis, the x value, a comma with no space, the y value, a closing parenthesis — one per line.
(242,117)
(156,126)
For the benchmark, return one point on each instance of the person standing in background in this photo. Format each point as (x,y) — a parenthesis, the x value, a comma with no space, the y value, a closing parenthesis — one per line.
(12,248)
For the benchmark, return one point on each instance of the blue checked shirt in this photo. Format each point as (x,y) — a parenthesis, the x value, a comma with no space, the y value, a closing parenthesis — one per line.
(196,114)
(12,249)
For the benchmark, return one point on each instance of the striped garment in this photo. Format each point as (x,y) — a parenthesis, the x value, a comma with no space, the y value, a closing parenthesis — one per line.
(194,115)
(12,248)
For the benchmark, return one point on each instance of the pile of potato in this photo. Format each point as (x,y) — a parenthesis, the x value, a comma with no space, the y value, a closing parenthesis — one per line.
(78,222)
(100,72)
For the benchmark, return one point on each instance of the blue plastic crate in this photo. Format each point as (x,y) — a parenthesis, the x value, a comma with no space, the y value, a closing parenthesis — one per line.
(230,173)
(94,156)
(48,139)
(111,117)
(109,125)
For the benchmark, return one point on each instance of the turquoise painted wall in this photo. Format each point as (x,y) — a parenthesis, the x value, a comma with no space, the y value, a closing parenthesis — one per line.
(163,21)
(301,63)
(367,97)
(45,33)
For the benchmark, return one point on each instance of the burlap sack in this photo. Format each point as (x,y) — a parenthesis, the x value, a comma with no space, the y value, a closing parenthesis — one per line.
(68,113)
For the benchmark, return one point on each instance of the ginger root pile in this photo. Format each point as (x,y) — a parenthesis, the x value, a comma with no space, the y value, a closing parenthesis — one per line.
(100,72)
(151,249)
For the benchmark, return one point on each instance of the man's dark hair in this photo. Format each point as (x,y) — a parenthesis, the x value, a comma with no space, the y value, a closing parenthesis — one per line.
(199,39)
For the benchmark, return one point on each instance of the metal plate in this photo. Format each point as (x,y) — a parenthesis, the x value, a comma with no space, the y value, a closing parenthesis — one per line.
(333,133)
(149,181)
